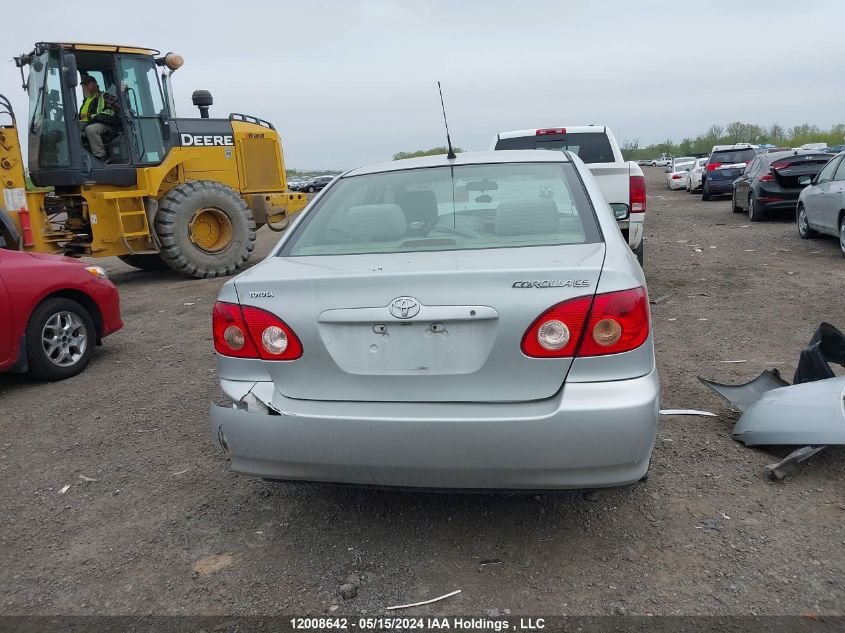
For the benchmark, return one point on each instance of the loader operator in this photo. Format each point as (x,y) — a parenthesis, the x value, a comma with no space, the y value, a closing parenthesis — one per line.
(98,117)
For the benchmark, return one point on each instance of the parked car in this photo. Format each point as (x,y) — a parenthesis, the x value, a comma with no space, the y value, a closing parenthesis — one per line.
(621,182)
(57,309)
(821,205)
(772,181)
(726,164)
(676,174)
(663,161)
(316,184)
(294,185)
(694,176)
(403,334)
(836,149)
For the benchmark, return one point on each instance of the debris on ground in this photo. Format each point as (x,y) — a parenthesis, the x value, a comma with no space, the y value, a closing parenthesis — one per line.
(660,299)
(88,479)
(348,591)
(489,561)
(807,413)
(212,563)
(419,604)
(686,412)
(64,489)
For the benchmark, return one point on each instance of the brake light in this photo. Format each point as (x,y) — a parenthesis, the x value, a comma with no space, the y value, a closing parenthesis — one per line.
(636,194)
(676,176)
(713,166)
(557,331)
(248,332)
(781,164)
(617,322)
(551,130)
(766,178)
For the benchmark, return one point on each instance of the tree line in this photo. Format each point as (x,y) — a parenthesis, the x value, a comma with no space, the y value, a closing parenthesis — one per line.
(738,132)
(425,152)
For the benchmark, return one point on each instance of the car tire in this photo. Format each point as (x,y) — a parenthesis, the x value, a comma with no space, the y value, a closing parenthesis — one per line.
(72,337)
(803,222)
(639,252)
(205,229)
(705,193)
(311,190)
(754,214)
(842,235)
(151,261)
(736,208)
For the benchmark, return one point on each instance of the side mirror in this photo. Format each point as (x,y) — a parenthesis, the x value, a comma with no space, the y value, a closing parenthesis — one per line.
(804,181)
(71,75)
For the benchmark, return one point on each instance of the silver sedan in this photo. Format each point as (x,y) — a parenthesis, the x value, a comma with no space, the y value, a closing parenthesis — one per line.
(475,323)
(821,205)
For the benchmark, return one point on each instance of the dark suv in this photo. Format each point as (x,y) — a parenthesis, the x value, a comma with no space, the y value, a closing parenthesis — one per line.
(316,184)
(725,165)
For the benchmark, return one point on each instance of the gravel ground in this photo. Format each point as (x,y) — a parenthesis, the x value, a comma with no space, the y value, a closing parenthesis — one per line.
(161,526)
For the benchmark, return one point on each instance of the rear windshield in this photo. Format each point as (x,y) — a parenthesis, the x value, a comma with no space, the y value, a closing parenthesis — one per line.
(448,208)
(591,147)
(732,156)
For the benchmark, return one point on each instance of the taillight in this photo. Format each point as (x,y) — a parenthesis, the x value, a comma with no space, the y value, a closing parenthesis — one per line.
(781,164)
(766,178)
(617,322)
(557,331)
(676,176)
(713,166)
(636,188)
(248,332)
(551,130)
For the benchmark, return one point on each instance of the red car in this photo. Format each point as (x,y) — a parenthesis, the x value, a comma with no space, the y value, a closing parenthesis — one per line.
(53,311)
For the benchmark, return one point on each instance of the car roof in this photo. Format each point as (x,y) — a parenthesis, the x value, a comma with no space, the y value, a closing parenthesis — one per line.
(464,158)
(570,129)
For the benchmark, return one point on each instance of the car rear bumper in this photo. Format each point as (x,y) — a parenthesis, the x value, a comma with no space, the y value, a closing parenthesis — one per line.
(720,186)
(589,435)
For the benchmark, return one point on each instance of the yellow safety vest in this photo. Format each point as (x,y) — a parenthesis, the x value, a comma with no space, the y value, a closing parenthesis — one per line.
(100,107)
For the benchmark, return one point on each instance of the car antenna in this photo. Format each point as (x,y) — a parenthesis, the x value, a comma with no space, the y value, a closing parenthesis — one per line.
(451,154)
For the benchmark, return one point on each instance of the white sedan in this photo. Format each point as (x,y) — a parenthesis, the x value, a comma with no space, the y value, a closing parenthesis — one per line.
(695,176)
(676,174)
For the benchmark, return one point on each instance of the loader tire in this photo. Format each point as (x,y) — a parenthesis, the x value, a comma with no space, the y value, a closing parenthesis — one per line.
(151,261)
(205,229)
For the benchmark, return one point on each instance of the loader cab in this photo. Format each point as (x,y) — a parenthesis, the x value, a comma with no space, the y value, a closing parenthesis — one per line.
(58,152)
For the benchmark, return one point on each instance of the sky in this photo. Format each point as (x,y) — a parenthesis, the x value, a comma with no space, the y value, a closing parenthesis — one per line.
(349,83)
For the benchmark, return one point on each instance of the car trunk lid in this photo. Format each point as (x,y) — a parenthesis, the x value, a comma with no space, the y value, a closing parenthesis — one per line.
(430,326)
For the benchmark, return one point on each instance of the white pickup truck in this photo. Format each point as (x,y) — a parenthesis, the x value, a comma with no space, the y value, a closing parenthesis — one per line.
(621,182)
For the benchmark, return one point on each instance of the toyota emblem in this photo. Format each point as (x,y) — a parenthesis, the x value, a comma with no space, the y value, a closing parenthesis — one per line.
(404,307)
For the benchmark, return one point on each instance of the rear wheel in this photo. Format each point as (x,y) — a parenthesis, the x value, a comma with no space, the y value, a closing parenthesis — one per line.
(705,193)
(754,213)
(736,208)
(639,252)
(151,261)
(804,229)
(205,229)
(60,339)
(842,235)
(311,189)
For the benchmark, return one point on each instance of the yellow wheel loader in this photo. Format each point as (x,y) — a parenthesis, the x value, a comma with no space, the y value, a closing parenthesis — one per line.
(183,193)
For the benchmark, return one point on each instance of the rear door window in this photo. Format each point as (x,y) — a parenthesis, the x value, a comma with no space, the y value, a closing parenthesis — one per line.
(591,147)
(840,171)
